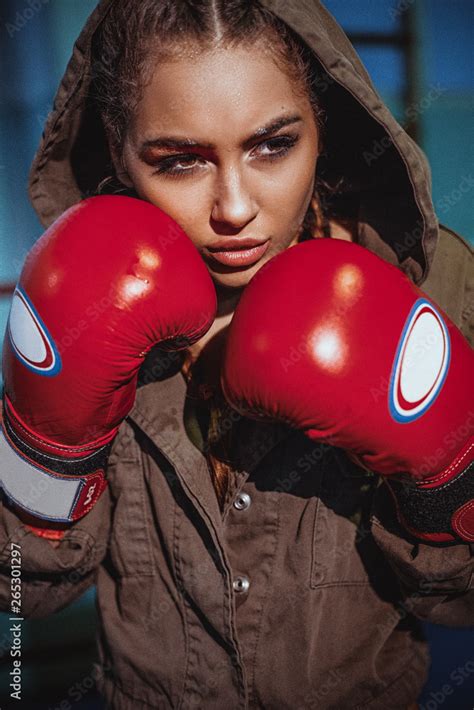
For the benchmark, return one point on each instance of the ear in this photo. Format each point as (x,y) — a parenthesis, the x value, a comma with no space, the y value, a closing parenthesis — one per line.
(119,166)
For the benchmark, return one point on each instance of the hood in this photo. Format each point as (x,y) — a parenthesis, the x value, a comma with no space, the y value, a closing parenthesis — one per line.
(387,181)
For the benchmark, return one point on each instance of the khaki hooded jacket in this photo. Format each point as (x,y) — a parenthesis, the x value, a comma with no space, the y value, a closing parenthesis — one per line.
(303,591)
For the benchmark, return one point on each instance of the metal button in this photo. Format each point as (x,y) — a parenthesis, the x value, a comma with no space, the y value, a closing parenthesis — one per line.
(242,501)
(241,584)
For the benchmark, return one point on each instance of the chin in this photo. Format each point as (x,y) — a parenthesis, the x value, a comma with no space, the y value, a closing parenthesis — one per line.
(232,281)
(237,278)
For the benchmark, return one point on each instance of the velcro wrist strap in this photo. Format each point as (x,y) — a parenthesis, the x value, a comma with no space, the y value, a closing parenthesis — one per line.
(47,487)
(440,514)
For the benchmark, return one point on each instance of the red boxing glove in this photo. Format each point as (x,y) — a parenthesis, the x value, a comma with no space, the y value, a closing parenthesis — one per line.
(335,341)
(111,278)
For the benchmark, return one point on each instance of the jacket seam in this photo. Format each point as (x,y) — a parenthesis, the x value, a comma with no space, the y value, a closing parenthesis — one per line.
(184,607)
(229,626)
(264,600)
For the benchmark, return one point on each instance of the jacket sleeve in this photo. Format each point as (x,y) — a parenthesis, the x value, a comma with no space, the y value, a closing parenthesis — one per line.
(53,577)
(437,582)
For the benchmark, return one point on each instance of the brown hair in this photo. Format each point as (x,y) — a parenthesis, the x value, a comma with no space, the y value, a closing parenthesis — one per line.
(136,34)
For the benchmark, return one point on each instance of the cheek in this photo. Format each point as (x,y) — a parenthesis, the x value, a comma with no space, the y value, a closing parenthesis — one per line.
(184,209)
(295,186)
(289,210)
(290,206)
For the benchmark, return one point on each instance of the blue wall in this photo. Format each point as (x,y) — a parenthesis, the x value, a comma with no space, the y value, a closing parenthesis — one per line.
(445,106)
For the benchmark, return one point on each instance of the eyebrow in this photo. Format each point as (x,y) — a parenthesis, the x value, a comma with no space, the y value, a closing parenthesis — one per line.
(269,128)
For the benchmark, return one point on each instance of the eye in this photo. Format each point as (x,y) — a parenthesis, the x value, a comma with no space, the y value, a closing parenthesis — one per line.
(173,166)
(279,146)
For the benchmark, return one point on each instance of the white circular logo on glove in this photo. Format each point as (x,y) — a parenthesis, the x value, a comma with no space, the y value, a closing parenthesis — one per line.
(29,337)
(421,363)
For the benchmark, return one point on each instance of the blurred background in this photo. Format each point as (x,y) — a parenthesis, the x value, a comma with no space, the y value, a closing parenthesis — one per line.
(419,54)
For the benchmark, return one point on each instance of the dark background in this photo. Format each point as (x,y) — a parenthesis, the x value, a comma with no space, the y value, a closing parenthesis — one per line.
(419,54)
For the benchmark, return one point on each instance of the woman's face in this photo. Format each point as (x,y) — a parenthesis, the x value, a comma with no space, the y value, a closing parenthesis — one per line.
(222,144)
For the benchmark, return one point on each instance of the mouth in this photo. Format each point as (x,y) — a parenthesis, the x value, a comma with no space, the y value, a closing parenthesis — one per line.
(238,252)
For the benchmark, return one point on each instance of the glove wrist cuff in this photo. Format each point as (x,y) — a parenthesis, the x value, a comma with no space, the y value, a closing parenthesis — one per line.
(441,509)
(49,488)
(46,446)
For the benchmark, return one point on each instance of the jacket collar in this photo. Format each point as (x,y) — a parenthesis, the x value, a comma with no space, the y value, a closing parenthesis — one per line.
(158,413)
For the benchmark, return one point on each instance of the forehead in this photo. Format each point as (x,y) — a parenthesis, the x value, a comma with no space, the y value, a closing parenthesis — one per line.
(228,91)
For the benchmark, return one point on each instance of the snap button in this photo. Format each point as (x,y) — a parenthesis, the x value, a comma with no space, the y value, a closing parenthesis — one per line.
(241,584)
(242,501)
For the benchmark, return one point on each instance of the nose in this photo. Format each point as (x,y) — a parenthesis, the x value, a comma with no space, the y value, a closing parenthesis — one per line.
(233,204)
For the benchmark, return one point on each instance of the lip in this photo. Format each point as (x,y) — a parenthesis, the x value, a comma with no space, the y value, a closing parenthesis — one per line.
(236,243)
(239,252)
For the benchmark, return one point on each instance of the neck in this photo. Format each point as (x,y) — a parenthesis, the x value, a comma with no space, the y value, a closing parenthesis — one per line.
(227,300)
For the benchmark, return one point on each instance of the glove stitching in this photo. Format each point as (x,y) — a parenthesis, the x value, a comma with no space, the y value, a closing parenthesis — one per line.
(460,525)
(61,459)
(448,470)
(53,446)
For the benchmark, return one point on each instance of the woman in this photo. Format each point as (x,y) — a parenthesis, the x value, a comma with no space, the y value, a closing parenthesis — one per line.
(238,563)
